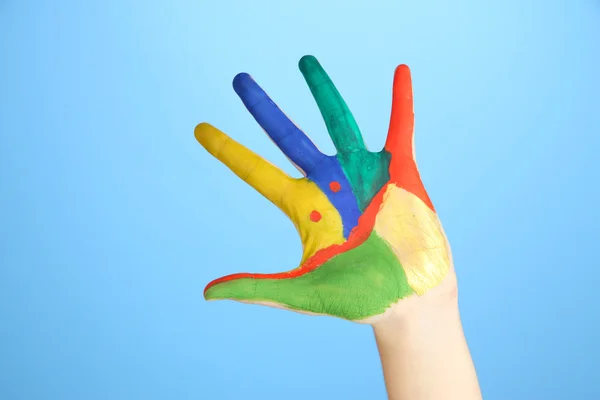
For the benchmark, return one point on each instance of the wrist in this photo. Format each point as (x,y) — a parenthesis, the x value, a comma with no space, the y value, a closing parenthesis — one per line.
(424,321)
(422,341)
(438,305)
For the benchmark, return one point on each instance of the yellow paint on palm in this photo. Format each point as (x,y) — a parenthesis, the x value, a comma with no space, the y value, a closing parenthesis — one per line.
(415,234)
(315,218)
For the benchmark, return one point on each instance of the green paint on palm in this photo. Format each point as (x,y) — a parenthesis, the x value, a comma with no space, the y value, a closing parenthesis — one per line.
(366,171)
(354,285)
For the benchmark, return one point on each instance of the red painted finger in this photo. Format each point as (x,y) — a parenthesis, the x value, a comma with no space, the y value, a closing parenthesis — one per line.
(400,134)
(400,141)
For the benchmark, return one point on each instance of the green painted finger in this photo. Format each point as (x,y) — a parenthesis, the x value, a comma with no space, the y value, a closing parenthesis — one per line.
(354,285)
(339,120)
(367,172)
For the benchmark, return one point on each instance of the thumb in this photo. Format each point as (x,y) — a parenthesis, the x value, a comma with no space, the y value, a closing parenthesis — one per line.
(282,290)
(353,285)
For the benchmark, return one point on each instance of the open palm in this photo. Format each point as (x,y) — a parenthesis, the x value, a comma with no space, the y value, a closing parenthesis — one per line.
(370,234)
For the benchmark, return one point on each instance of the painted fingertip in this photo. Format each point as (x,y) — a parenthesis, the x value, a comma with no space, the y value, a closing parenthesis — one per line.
(209,293)
(202,130)
(402,82)
(248,90)
(210,138)
(241,81)
(231,289)
(402,68)
(213,290)
(307,62)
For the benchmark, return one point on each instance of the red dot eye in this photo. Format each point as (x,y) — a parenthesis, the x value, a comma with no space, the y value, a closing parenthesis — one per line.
(335,186)
(315,216)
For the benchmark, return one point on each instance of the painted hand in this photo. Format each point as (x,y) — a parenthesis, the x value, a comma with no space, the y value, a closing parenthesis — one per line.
(370,234)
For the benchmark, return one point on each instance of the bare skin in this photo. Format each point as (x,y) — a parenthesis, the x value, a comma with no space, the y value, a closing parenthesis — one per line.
(423,350)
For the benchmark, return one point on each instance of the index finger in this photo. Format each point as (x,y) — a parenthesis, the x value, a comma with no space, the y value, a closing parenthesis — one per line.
(263,176)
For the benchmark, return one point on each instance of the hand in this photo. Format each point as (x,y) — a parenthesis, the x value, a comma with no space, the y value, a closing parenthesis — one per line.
(371,237)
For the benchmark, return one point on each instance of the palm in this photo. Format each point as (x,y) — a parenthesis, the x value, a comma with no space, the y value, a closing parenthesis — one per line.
(369,232)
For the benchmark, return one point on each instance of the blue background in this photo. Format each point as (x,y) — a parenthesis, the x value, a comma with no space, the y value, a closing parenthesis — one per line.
(113,218)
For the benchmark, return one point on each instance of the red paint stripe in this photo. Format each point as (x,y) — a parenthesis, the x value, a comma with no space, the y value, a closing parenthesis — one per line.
(358,235)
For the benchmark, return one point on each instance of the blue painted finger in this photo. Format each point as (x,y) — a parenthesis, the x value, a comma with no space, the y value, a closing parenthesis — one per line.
(286,135)
(325,171)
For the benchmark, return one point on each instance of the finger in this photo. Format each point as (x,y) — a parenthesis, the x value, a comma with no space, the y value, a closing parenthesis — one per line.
(267,179)
(400,134)
(340,123)
(266,289)
(297,147)
(351,284)
(400,141)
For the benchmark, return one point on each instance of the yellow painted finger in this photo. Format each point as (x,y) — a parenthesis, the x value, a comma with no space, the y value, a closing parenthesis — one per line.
(263,176)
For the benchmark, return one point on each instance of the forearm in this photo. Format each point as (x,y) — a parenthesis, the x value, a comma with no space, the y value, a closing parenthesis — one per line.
(424,354)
